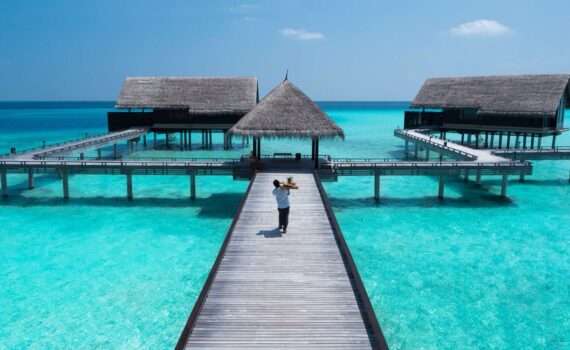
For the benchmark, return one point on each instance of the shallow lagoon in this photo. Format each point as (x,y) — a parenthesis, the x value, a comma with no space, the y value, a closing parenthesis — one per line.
(471,272)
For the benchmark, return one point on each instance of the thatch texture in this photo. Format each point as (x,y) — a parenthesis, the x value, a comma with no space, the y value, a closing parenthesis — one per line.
(287,112)
(197,95)
(530,95)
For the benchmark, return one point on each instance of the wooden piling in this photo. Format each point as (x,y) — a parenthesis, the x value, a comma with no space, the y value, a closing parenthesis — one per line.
(192,186)
(65,183)
(441,187)
(478,177)
(30,178)
(504,185)
(4,181)
(376,187)
(129,185)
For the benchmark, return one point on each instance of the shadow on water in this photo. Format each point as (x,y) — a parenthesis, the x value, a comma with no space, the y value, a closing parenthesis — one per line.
(219,205)
(484,201)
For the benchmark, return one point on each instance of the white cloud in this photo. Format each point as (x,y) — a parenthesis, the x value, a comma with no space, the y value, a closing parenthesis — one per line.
(301,34)
(481,27)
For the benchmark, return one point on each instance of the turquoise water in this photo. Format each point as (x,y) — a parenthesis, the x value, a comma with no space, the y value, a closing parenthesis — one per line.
(472,272)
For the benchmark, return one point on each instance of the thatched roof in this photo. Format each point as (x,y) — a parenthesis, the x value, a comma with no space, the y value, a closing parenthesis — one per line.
(507,95)
(197,95)
(286,112)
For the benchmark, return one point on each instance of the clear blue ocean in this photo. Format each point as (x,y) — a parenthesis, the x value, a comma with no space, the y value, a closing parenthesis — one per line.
(471,272)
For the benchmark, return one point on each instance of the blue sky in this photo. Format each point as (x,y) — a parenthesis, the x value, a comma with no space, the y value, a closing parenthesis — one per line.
(334,50)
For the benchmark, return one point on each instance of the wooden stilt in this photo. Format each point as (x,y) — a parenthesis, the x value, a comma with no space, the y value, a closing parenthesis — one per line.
(192,186)
(539,141)
(154,139)
(441,187)
(531,141)
(478,177)
(504,184)
(486,144)
(521,178)
(30,178)
(427,153)
(376,187)
(466,175)
(190,139)
(416,149)
(129,185)
(98,153)
(406,148)
(144,140)
(317,153)
(500,140)
(524,140)
(4,181)
(553,141)
(508,140)
(65,183)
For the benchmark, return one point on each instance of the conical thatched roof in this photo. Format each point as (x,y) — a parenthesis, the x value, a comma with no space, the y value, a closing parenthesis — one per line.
(286,112)
(498,95)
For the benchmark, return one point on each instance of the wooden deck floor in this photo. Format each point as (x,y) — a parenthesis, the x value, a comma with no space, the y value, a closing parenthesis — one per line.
(280,291)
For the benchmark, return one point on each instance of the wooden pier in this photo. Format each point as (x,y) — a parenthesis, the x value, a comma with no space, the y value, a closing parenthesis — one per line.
(269,290)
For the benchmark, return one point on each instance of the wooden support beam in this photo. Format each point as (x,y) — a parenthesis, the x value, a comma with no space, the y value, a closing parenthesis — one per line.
(416,149)
(500,140)
(65,183)
(4,181)
(144,140)
(98,153)
(190,139)
(30,178)
(192,186)
(376,187)
(441,187)
(509,140)
(504,185)
(539,141)
(524,140)
(129,185)
(462,138)
(406,148)
(531,141)
(154,139)
(115,152)
(317,153)
(466,175)
(553,141)
(478,177)
(521,178)
(427,153)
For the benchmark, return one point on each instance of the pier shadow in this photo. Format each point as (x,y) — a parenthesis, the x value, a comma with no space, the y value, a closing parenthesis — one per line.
(218,205)
(274,233)
(482,201)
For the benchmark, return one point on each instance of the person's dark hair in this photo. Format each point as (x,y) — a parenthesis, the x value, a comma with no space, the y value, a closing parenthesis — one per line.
(276,183)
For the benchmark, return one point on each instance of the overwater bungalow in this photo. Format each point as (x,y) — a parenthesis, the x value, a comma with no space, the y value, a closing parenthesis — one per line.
(184,104)
(523,106)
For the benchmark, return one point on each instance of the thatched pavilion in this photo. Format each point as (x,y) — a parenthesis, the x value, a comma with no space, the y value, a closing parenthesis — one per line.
(286,112)
(184,104)
(517,105)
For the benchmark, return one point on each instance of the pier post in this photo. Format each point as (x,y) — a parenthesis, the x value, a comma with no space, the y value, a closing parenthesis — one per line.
(129,185)
(192,186)
(531,141)
(181,135)
(98,153)
(521,178)
(406,148)
(154,139)
(4,180)
(504,184)
(65,183)
(115,151)
(500,140)
(190,139)
(144,140)
(478,177)
(376,187)
(508,140)
(30,178)
(462,138)
(416,147)
(553,141)
(427,153)
(441,187)
(81,156)
(539,141)
(466,175)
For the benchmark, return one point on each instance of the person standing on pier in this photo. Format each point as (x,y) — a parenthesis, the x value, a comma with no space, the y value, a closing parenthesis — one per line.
(281,193)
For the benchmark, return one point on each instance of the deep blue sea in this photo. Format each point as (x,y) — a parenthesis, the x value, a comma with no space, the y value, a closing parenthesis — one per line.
(98,271)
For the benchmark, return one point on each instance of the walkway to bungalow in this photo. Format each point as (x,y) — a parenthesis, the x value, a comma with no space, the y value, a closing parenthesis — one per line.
(82,144)
(298,290)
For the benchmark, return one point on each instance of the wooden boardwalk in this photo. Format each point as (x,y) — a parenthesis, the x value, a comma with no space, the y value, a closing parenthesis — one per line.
(298,290)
